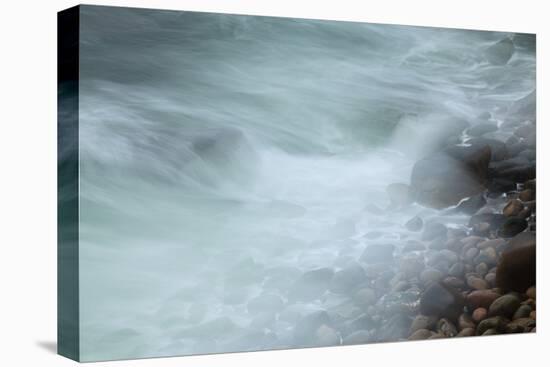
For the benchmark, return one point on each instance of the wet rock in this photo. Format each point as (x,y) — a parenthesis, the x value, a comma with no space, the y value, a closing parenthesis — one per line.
(527,195)
(531,184)
(490,278)
(414,246)
(457,270)
(523,311)
(494,243)
(311,285)
(410,266)
(358,337)
(482,229)
(395,328)
(476,282)
(307,326)
(421,334)
(378,253)
(454,283)
(517,268)
(513,208)
(495,220)
(465,321)
(346,279)
(481,129)
(482,269)
(471,254)
(479,314)
(491,332)
(472,204)
(443,179)
(487,255)
(423,322)
(414,224)
(531,292)
(481,298)
(524,239)
(399,194)
(518,169)
(512,226)
(265,303)
(431,275)
(500,53)
(497,323)
(504,306)
(467,332)
(434,230)
(447,328)
(441,301)
(521,325)
(327,336)
(365,297)
(498,148)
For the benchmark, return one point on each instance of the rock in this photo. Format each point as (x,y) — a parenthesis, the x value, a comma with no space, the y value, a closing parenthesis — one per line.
(445,178)
(512,226)
(437,336)
(414,224)
(421,334)
(533,315)
(472,204)
(527,195)
(265,303)
(471,254)
(422,322)
(431,275)
(531,184)
(476,282)
(494,243)
(411,266)
(358,337)
(531,292)
(434,230)
(487,255)
(481,129)
(306,327)
(479,314)
(447,328)
(347,279)
(399,194)
(498,148)
(518,169)
(465,322)
(481,298)
(482,269)
(457,270)
(495,220)
(395,328)
(490,278)
(517,268)
(327,336)
(441,301)
(521,325)
(513,208)
(467,332)
(491,332)
(311,285)
(454,283)
(524,239)
(365,297)
(413,246)
(504,306)
(522,312)
(378,253)
(497,323)
(500,53)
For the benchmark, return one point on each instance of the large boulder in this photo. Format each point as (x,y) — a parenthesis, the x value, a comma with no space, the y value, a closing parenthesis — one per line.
(517,268)
(440,300)
(445,178)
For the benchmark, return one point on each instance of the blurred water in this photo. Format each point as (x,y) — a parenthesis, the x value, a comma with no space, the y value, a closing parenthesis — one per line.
(223,154)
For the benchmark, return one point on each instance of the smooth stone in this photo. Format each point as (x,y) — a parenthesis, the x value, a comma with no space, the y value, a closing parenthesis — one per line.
(457,270)
(346,279)
(454,283)
(421,334)
(476,283)
(481,298)
(422,322)
(497,323)
(494,243)
(365,297)
(513,208)
(531,292)
(479,314)
(490,278)
(522,312)
(414,224)
(358,337)
(410,265)
(523,239)
(471,254)
(431,275)
(504,306)
(472,204)
(467,332)
(517,268)
(446,327)
(482,269)
(487,255)
(490,332)
(441,301)
(465,321)
(512,226)
(378,253)
(520,325)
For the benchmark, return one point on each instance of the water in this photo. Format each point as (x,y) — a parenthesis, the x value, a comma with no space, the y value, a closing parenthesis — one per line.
(223,156)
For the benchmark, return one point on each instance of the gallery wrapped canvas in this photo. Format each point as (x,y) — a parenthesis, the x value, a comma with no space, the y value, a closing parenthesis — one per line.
(239,183)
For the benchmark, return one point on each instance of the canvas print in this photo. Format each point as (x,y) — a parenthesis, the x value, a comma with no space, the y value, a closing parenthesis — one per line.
(233,183)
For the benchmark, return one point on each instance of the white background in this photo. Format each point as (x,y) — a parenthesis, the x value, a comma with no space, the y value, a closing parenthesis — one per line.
(28,182)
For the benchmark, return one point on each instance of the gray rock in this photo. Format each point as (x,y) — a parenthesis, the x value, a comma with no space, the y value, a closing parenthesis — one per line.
(348,278)
(441,301)
(414,224)
(378,253)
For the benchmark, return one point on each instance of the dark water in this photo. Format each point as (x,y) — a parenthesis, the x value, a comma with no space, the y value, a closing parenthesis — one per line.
(222,156)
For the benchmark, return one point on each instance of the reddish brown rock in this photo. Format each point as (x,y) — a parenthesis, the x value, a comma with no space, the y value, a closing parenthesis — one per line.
(517,269)
(479,314)
(481,298)
(513,208)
